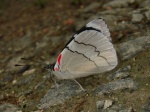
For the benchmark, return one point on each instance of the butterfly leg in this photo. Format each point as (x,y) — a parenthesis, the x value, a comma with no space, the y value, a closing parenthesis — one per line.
(79,84)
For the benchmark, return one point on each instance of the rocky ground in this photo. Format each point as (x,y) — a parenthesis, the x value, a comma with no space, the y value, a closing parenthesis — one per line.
(39,29)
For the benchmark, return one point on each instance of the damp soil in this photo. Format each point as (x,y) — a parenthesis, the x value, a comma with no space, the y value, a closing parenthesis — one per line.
(55,18)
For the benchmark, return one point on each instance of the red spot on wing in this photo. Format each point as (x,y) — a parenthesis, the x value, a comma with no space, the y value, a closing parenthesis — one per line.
(56,69)
(59,59)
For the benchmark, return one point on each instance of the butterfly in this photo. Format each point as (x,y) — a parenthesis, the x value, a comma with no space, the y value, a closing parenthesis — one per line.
(90,51)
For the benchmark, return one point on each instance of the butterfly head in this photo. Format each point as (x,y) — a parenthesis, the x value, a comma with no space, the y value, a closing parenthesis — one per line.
(50,67)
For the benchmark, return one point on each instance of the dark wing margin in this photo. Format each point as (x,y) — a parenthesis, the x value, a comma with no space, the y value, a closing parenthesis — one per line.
(84,28)
(97,25)
(101,25)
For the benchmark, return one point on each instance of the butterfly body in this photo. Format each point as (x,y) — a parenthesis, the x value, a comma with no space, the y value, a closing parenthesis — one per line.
(88,52)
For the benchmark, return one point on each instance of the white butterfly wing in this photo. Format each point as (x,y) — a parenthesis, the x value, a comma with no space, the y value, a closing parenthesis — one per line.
(89,52)
(100,25)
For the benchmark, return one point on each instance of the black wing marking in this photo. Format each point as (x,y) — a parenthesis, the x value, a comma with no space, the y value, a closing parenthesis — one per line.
(84,28)
(95,49)
(82,55)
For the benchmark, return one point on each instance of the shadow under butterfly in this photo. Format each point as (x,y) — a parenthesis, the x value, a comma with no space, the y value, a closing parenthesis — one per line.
(90,51)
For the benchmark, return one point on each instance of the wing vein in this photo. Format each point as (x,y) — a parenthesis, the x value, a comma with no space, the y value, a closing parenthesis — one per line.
(81,54)
(95,50)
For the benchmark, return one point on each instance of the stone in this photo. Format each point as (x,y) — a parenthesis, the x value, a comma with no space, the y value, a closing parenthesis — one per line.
(121,73)
(118,11)
(126,110)
(130,48)
(28,72)
(59,94)
(110,110)
(147,14)
(137,18)
(108,103)
(121,108)
(145,4)
(7,78)
(118,3)
(26,80)
(108,106)
(7,107)
(116,85)
(100,104)
(38,111)
(21,43)
(12,62)
(146,107)
(91,7)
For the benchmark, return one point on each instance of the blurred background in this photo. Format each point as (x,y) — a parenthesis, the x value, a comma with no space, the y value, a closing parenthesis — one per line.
(39,30)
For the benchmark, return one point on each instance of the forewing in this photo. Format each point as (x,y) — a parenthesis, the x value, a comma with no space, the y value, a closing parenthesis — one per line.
(100,25)
(89,51)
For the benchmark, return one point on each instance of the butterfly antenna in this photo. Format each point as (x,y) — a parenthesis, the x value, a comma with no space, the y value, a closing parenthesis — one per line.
(34,61)
(47,66)
(25,67)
